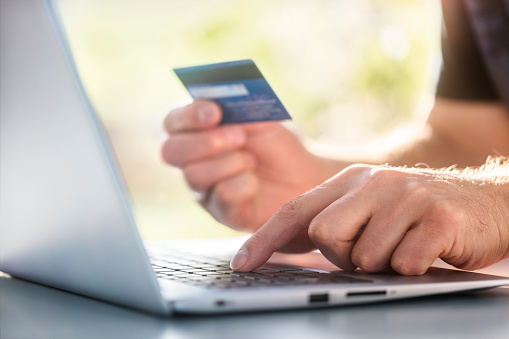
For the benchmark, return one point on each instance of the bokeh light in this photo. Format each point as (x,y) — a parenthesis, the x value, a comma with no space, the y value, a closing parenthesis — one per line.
(347,71)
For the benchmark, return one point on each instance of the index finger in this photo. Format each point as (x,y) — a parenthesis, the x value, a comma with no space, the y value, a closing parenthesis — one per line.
(198,115)
(291,219)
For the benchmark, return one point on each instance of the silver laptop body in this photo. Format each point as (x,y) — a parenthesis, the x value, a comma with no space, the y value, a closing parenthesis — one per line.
(65,216)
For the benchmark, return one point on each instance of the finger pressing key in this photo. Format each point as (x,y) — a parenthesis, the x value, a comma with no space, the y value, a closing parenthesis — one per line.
(290,220)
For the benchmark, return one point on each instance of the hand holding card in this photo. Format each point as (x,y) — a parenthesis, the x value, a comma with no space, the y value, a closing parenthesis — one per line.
(238,87)
(241,173)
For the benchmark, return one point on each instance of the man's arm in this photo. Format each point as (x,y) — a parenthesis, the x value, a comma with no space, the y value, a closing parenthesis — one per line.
(461,133)
(380,217)
(244,173)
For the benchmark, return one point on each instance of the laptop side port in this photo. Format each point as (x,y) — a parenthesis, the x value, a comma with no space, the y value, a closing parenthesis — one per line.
(220,303)
(319,298)
(366,293)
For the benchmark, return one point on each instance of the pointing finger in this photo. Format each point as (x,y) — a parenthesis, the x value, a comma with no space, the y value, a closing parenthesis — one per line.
(290,220)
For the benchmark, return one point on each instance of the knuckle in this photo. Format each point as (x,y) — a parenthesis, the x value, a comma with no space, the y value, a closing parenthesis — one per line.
(366,261)
(222,214)
(224,194)
(291,210)
(234,162)
(246,160)
(442,219)
(411,195)
(214,142)
(355,170)
(209,143)
(417,193)
(385,176)
(407,266)
(168,124)
(195,178)
(444,210)
(318,233)
(169,153)
(291,207)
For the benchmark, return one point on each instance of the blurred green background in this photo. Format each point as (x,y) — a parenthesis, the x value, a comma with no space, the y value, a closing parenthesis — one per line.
(347,71)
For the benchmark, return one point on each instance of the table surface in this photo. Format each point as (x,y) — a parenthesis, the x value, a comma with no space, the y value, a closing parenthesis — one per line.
(29,310)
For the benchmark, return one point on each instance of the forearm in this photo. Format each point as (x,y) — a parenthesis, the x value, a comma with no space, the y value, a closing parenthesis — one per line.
(456,133)
(459,133)
(379,217)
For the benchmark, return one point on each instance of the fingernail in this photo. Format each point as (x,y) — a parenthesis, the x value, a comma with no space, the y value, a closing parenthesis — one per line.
(238,260)
(206,114)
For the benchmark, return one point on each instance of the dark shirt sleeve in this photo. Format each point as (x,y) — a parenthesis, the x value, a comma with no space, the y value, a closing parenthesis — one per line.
(463,75)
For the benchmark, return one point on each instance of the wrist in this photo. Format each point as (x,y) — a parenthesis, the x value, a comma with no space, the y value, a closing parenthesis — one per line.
(498,207)
(504,201)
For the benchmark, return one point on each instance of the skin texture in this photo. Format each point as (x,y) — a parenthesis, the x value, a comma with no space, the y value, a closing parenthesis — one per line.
(379,217)
(241,174)
(372,217)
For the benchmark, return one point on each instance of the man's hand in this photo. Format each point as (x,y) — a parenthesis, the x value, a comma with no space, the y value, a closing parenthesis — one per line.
(241,173)
(378,218)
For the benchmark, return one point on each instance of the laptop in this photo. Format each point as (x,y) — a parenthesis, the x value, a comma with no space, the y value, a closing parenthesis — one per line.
(66,219)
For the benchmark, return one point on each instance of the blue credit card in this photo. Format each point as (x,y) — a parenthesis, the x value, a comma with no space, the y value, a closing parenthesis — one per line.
(238,87)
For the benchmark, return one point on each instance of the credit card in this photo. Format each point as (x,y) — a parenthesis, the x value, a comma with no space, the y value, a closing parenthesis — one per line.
(238,87)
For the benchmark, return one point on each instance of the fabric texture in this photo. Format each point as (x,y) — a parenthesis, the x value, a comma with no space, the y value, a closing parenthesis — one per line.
(475,50)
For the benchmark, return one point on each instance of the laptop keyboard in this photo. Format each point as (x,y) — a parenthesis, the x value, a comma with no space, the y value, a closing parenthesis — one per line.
(216,273)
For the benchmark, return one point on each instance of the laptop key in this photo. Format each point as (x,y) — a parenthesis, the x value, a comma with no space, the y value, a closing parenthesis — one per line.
(218,274)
